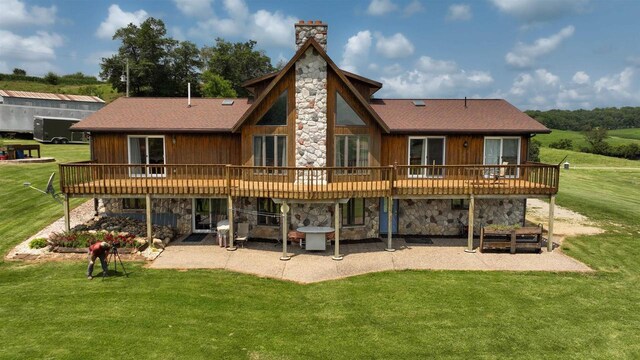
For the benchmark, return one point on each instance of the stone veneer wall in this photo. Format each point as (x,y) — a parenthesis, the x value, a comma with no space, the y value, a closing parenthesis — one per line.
(180,208)
(435,216)
(311,107)
(318,31)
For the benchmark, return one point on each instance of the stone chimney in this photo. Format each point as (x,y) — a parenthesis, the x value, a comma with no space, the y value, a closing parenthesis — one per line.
(311,29)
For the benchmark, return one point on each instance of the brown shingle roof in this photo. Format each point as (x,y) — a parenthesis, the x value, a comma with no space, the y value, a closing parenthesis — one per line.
(450,116)
(49,96)
(165,114)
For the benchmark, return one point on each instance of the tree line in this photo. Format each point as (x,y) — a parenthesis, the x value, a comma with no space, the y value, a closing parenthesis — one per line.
(597,144)
(584,120)
(51,78)
(162,66)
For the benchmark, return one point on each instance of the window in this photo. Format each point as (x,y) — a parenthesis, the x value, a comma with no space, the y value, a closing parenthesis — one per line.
(133,204)
(146,150)
(352,150)
(270,150)
(268,212)
(500,150)
(459,204)
(345,115)
(425,152)
(277,114)
(353,212)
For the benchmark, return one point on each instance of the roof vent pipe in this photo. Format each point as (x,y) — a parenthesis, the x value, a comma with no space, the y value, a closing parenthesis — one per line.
(188,94)
(465,102)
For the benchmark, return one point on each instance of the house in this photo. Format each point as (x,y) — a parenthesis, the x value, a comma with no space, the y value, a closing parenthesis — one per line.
(314,144)
(18,108)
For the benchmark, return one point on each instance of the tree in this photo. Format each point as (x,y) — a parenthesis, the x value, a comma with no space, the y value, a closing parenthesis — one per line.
(52,78)
(236,62)
(565,144)
(214,85)
(19,72)
(596,138)
(185,62)
(148,51)
(534,150)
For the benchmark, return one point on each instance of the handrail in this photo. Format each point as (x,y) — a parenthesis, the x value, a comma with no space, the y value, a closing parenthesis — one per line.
(308,183)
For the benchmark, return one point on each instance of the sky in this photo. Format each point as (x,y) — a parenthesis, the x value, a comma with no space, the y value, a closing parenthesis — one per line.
(537,54)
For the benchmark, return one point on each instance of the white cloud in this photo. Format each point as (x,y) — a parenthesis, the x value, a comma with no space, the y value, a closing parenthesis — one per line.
(525,55)
(534,11)
(540,89)
(14,13)
(117,19)
(580,78)
(33,53)
(195,8)
(413,7)
(267,28)
(356,50)
(392,69)
(459,12)
(381,7)
(394,47)
(437,79)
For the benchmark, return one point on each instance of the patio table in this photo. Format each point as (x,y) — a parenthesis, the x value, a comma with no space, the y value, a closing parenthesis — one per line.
(315,238)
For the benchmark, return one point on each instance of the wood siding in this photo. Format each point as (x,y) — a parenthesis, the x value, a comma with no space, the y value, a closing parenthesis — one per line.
(372,129)
(109,148)
(250,129)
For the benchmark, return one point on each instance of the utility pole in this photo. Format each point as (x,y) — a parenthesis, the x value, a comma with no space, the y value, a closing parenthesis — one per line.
(127,77)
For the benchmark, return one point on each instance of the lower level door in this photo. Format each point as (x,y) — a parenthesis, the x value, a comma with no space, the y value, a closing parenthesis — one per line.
(384,217)
(207,213)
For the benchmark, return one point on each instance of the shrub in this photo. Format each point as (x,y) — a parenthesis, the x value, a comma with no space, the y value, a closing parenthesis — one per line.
(38,243)
(52,78)
(120,240)
(534,150)
(71,239)
(564,144)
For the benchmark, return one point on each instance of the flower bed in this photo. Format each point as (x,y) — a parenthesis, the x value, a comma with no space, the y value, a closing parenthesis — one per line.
(79,241)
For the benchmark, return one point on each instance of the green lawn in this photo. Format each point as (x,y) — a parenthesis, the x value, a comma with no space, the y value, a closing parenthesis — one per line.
(616,137)
(50,310)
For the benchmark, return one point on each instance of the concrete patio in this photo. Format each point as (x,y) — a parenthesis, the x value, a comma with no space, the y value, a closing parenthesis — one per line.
(263,259)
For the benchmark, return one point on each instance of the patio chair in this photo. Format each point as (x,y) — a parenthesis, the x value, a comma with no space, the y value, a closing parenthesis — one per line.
(296,237)
(501,173)
(331,236)
(242,235)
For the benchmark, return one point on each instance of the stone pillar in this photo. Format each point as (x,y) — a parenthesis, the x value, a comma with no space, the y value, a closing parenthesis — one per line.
(311,29)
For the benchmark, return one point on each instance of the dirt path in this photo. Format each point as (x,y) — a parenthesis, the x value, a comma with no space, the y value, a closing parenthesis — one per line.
(567,222)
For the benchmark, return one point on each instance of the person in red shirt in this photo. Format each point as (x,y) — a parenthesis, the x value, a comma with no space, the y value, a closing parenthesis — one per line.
(98,250)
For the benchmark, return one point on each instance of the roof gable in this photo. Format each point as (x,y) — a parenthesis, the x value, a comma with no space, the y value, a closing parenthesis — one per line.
(310,43)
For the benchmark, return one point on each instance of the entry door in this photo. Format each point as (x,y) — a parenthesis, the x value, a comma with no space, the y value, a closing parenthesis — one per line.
(207,213)
(384,216)
(146,150)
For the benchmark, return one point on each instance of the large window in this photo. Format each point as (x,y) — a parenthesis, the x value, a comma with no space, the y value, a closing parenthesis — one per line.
(270,150)
(353,212)
(268,212)
(146,150)
(345,115)
(428,154)
(352,150)
(277,114)
(502,151)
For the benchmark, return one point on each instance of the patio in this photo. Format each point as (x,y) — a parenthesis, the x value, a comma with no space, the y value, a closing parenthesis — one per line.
(262,259)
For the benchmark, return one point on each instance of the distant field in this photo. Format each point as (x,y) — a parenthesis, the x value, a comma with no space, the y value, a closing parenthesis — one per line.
(626,133)
(104,91)
(616,137)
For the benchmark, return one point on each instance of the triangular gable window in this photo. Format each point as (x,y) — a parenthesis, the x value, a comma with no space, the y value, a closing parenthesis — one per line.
(345,115)
(277,114)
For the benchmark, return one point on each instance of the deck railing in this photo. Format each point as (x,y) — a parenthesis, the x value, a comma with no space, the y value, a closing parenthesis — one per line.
(308,183)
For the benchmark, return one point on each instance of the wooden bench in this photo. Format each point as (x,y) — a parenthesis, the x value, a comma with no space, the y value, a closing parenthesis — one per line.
(529,237)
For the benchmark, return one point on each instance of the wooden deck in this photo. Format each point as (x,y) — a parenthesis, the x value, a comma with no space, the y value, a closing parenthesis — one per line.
(86,179)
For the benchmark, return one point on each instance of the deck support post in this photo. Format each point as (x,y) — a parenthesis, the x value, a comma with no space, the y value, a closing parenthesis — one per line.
(148,220)
(336,221)
(472,206)
(231,233)
(67,213)
(284,209)
(390,225)
(552,205)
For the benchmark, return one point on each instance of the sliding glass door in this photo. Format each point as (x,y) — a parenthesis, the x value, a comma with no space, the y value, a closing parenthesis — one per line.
(502,151)
(146,150)
(207,213)
(426,151)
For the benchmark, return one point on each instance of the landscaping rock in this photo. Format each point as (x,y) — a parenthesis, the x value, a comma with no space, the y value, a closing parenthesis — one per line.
(126,225)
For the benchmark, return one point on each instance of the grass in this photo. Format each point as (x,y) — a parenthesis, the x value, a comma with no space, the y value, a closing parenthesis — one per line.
(104,91)
(616,137)
(626,133)
(49,310)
